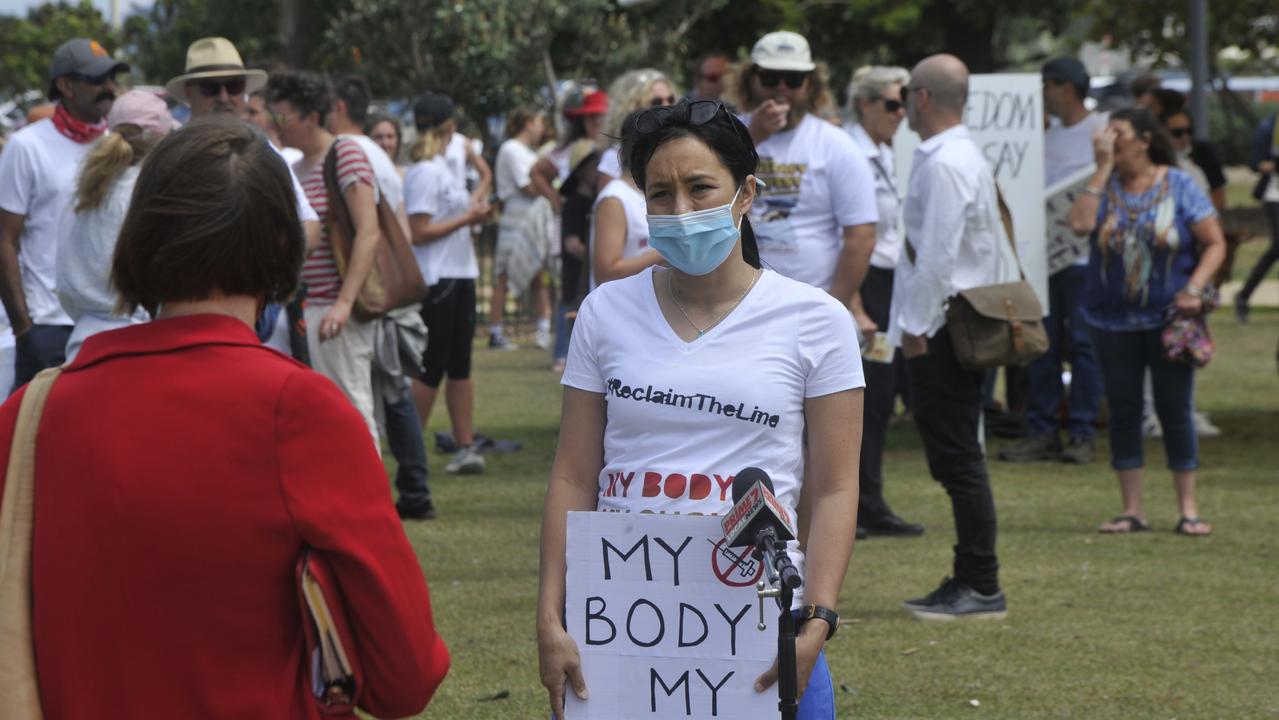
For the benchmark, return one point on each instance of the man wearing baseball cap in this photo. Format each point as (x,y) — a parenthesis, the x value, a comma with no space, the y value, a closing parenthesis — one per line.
(1067,152)
(815,217)
(37,182)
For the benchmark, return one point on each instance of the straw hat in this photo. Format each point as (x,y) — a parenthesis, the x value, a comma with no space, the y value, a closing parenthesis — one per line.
(214,57)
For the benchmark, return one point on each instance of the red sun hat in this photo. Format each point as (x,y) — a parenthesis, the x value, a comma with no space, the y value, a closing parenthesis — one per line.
(595,103)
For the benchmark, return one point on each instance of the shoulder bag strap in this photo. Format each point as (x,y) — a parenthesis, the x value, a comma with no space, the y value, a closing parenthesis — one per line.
(19,689)
(341,227)
(1006,217)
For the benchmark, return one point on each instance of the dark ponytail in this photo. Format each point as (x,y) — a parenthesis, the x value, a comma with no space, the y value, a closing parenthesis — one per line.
(750,248)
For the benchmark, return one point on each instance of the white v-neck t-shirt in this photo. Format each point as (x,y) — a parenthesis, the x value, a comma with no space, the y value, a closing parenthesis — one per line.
(684,417)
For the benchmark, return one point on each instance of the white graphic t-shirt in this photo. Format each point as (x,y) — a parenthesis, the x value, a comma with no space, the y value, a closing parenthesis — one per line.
(818,182)
(38,171)
(430,188)
(684,417)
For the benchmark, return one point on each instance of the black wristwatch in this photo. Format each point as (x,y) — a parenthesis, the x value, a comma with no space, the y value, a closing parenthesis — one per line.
(817,612)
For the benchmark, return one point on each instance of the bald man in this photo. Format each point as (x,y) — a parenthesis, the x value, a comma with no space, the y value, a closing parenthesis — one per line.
(954,241)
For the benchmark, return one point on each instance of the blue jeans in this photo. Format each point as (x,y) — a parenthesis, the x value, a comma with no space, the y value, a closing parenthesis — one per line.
(1069,338)
(43,346)
(1124,358)
(404,435)
(562,330)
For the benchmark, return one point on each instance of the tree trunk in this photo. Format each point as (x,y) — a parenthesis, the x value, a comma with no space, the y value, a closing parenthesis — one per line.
(969,33)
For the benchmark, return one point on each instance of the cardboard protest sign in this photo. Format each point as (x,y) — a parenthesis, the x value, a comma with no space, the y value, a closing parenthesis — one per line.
(1064,246)
(1005,117)
(665,618)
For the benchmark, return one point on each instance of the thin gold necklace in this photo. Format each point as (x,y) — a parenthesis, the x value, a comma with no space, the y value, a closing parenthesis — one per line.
(700,332)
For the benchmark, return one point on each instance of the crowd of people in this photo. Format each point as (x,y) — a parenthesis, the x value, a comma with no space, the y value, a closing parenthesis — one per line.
(728,242)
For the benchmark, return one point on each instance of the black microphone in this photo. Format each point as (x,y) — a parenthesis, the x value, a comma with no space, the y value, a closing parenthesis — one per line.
(757,518)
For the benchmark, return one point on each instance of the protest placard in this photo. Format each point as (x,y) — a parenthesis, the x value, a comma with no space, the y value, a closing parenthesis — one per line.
(1005,118)
(666,619)
(1064,246)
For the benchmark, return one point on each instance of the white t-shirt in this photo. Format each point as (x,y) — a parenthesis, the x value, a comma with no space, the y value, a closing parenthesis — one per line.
(684,417)
(1067,150)
(817,183)
(455,154)
(636,209)
(888,236)
(306,213)
(611,162)
(512,170)
(38,172)
(430,188)
(388,178)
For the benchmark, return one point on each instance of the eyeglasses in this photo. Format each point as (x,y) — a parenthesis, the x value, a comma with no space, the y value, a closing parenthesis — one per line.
(1181,132)
(660,101)
(793,78)
(891,105)
(92,79)
(697,112)
(907,90)
(213,88)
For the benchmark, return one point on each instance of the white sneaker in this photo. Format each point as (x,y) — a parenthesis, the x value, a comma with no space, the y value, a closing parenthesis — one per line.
(465,461)
(543,339)
(1204,426)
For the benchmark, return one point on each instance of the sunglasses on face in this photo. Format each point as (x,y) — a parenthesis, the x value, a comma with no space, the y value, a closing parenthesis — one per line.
(1181,132)
(660,101)
(793,79)
(92,79)
(891,105)
(213,88)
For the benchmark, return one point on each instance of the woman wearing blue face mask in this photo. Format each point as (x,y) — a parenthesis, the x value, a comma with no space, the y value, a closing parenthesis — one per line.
(716,325)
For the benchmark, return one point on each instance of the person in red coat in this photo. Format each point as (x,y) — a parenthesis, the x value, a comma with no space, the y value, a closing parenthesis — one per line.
(182,468)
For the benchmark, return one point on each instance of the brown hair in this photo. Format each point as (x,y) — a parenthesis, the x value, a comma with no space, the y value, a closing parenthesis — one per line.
(520,117)
(213,212)
(738,88)
(119,149)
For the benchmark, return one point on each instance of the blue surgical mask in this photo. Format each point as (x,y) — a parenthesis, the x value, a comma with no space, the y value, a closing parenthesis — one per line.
(696,242)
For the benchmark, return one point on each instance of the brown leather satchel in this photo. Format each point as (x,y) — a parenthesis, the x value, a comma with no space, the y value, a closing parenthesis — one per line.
(997,325)
(395,280)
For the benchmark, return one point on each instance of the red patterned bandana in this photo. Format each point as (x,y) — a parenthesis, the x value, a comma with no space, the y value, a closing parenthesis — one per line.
(78,130)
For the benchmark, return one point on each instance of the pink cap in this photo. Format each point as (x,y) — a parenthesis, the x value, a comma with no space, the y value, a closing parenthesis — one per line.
(144,109)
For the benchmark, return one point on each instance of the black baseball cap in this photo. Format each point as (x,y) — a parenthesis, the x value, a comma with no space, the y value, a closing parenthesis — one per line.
(83,57)
(431,110)
(1068,70)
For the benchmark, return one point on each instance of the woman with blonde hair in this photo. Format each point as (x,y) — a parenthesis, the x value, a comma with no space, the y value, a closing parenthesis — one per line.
(440,215)
(631,91)
(137,121)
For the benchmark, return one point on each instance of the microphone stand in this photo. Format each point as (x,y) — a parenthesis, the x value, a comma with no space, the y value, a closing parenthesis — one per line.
(778,585)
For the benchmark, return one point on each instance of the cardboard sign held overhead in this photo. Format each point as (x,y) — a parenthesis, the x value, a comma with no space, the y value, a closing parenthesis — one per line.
(665,617)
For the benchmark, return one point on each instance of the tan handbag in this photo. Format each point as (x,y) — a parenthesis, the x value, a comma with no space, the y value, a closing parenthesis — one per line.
(997,325)
(19,688)
(395,280)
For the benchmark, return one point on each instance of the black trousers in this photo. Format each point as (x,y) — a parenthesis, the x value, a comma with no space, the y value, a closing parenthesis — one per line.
(947,402)
(878,398)
(1269,258)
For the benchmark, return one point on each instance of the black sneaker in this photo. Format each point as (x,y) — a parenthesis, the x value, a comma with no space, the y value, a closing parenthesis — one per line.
(890,526)
(956,601)
(1079,451)
(1032,449)
(424,510)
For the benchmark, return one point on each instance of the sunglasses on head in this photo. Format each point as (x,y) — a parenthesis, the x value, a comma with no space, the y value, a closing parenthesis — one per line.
(771,78)
(697,112)
(660,101)
(1181,131)
(212,88)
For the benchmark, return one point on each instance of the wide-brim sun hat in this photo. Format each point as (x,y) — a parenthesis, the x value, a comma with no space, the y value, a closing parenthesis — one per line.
(783,51)
(211,58)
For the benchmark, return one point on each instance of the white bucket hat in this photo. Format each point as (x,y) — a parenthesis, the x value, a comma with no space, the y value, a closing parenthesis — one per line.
(214,57)
(783,50)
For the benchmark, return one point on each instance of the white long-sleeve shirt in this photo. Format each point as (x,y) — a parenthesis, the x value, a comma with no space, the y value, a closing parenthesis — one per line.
(951,217)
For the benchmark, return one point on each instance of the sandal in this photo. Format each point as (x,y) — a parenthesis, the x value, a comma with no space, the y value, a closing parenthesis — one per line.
(1124,524)
(1184,525)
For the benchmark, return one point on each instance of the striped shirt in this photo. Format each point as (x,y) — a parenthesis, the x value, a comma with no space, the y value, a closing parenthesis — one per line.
(320,272)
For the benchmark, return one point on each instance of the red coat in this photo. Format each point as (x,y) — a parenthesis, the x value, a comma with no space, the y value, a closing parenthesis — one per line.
(180,468)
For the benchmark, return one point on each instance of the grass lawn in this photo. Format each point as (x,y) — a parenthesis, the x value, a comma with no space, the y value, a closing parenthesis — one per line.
(1147,626)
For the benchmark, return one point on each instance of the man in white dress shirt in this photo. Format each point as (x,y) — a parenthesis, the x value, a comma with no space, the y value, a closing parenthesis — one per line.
(954,241)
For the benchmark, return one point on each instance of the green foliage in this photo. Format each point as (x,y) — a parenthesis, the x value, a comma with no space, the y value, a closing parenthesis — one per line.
(29,42)
(1157,28)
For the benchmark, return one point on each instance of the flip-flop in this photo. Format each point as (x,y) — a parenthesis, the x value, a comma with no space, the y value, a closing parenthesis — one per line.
(1135,524)
(1187,521)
